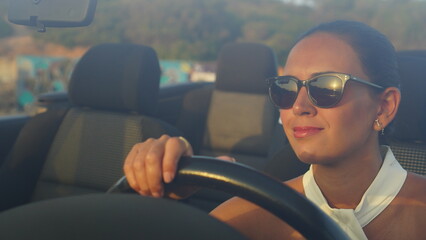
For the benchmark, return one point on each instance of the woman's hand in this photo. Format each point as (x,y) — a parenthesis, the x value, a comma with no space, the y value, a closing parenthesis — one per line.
(153,162)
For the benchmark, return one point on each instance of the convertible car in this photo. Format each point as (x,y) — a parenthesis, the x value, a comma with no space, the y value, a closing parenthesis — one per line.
(57,165)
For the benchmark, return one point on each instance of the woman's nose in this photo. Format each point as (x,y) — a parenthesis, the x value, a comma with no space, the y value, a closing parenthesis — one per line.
(303,105)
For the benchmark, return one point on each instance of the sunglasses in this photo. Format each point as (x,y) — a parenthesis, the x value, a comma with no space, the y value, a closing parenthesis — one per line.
(324,90)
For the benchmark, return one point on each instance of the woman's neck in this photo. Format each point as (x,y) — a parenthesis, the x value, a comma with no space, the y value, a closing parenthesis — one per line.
(343,184)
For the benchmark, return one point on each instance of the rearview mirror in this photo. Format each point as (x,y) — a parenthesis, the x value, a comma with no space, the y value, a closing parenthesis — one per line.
(51,13)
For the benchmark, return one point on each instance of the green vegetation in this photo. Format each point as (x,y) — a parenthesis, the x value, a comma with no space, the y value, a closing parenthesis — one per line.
(5,28)
(196,29)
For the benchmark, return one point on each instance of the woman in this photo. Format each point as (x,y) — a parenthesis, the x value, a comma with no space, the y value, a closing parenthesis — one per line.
(352,178)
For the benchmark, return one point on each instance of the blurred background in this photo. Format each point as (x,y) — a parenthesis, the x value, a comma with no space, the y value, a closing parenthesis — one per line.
(187,35)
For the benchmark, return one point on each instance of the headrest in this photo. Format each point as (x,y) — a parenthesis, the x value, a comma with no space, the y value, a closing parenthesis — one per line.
(118,77)
(411,117)
(243,67)
(413,53)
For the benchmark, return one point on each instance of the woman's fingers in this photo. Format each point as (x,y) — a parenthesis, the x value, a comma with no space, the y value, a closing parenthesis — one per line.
(153,162)
(176,147)
(128,166)
(153,166)
(150,163)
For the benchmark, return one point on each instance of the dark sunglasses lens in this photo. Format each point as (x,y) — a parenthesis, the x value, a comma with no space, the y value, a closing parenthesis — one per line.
(283,92)
(326,91)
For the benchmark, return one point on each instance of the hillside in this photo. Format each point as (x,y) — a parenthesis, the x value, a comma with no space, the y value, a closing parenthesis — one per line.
(26,45)
(197,29)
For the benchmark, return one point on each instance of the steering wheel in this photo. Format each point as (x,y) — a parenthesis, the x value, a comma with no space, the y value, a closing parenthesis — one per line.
(246,182)
(130,216)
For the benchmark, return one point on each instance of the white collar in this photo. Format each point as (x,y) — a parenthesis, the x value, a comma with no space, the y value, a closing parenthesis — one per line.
(378,196)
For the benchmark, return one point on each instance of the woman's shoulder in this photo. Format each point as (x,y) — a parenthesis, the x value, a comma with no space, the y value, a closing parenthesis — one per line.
(296,184)
(415,186)
(413,194)
(410,207)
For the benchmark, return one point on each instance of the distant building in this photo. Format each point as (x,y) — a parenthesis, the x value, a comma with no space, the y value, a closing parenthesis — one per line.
(8,69)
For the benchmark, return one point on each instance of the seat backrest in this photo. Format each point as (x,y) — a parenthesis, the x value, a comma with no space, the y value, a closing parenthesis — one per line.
(114,89)
(239,118)
(408,138)
(113,93)
(412,53)
(233,117)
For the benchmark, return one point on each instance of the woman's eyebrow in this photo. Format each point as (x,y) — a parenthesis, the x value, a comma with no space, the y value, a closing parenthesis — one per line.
(320,73)
(312,75)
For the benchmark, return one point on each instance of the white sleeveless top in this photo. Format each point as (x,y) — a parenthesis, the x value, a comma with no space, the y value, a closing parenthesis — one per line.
(378,196)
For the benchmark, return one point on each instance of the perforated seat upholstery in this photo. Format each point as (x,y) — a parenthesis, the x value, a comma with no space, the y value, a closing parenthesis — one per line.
(113,91)
(408,140)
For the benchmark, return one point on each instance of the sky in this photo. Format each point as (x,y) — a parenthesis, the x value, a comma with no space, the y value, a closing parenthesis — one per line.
(301,2)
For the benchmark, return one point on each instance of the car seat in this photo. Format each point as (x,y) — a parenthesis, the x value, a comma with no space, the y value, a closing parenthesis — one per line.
(233,117)
(408,136)
(412,53)
(68,151)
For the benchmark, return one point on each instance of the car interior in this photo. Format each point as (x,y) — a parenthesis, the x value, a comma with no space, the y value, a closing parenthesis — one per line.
(89,135)
(408,136)
(204,113)
(76,144)
(117,215)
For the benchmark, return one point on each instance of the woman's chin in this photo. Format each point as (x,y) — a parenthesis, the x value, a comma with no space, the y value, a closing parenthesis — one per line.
(312,157)
(307,157)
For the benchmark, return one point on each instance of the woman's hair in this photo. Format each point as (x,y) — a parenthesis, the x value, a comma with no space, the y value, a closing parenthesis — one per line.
(375,51)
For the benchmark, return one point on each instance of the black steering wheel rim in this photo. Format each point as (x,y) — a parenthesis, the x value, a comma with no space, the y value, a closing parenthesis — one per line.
(268,193)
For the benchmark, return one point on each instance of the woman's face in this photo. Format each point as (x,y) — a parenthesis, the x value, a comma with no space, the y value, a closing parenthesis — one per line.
(326,136)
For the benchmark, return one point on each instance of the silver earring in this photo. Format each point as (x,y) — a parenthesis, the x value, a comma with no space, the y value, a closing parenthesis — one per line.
(380,126)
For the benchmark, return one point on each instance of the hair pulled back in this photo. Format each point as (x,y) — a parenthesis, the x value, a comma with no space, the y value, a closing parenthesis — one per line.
(375,51)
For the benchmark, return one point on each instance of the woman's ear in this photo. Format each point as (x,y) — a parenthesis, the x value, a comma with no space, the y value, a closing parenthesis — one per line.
(388,105)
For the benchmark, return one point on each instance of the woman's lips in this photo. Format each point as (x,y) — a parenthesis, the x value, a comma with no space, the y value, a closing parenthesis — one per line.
(306,131)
